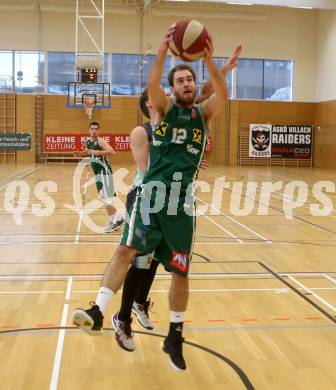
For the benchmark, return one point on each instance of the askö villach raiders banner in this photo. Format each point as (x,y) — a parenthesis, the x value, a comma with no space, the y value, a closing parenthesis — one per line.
(281,141)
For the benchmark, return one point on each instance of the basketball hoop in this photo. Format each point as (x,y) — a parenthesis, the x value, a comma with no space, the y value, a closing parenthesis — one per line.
(88,104)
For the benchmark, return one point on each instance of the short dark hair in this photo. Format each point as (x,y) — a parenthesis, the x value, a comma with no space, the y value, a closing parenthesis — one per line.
(143,99)
(180,67)
(94,124)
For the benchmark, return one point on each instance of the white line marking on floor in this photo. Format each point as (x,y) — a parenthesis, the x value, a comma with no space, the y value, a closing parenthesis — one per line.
(28,173)
(60,342)
(117,243)
(224,230)
(159,276)
(281,196)
(276,290)
(234,221)
(311,292)
(32,292)
(19,171)
(68,289)
(329,278)
(20,177)
(82,211)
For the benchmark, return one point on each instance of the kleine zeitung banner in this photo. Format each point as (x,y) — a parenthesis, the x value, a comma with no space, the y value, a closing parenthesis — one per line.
(76,142)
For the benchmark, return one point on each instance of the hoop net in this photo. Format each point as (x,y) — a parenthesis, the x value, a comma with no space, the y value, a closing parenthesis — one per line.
(88,104)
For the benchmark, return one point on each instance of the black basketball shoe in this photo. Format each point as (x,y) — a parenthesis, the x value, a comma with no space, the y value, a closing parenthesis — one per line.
(90,320)
(113,226)
(173,347)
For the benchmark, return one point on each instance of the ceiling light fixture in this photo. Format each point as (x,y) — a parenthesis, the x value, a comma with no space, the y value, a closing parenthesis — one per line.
(236,3)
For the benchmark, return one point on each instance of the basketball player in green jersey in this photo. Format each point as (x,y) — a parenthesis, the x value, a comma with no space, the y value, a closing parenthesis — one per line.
(141,274)
(175,157)
(98,150)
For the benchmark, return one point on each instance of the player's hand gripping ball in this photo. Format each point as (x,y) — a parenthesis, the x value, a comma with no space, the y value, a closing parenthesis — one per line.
(189,40)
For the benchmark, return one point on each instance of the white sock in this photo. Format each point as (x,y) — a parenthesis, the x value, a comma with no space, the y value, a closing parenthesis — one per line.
(177,316)
(103,298)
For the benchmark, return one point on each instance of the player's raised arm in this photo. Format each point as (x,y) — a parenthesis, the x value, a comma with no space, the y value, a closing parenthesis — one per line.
(156,92)
(215,103)
(140,148)
(229,64)
(107,149)
(81,153)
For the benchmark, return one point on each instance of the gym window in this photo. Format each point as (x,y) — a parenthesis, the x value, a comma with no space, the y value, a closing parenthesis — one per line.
(264,79)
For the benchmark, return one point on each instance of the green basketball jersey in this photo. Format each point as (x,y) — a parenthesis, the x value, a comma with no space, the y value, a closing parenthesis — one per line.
(98,163)
(178,146)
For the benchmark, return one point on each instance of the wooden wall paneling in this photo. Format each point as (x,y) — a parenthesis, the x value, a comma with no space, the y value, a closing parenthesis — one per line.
(325,135)
(245,112)
(25,123)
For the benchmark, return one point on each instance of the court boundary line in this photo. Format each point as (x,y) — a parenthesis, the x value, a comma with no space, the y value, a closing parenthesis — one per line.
(19,171)
(241,374)
(20,177)
(166,276)
(282,214)
(117,243)
(294,289)
(60,342)
(278,290)
(330,278)
(29,173)
(77,238)
(333,308)
(224,328)
(235,221)
(223,228)
(275,194)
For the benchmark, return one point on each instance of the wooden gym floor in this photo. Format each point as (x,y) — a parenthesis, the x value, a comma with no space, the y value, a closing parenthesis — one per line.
(262,305)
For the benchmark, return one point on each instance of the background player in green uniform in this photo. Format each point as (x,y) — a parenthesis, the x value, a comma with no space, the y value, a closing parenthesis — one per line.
(141,274)
(98,150)
(175,157)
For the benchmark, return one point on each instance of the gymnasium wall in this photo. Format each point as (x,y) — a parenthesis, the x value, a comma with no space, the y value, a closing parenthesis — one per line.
(224,129)
(307,36)
(122,118)
(261,111)
(326,56)
(264,32)
(25,123)
(325,135)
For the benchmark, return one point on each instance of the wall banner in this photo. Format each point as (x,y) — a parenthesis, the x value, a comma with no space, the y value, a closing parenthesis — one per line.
(260,140)
(292,141)
(15,141)
(75,142)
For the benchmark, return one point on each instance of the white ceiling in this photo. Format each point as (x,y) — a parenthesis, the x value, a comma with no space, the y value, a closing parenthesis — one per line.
(318,4)
(66,5)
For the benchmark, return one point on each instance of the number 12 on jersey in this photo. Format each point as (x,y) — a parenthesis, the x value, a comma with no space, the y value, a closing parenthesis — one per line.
(179,135)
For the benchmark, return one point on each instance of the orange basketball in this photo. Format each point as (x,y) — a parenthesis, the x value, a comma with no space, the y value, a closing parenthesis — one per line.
(189,40)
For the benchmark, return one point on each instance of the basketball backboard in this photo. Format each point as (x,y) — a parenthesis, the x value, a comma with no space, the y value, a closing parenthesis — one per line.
(79,93)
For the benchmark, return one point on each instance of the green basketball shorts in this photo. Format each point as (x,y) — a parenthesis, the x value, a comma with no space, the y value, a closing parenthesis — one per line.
(105,185)
(171,237)
(144,261)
